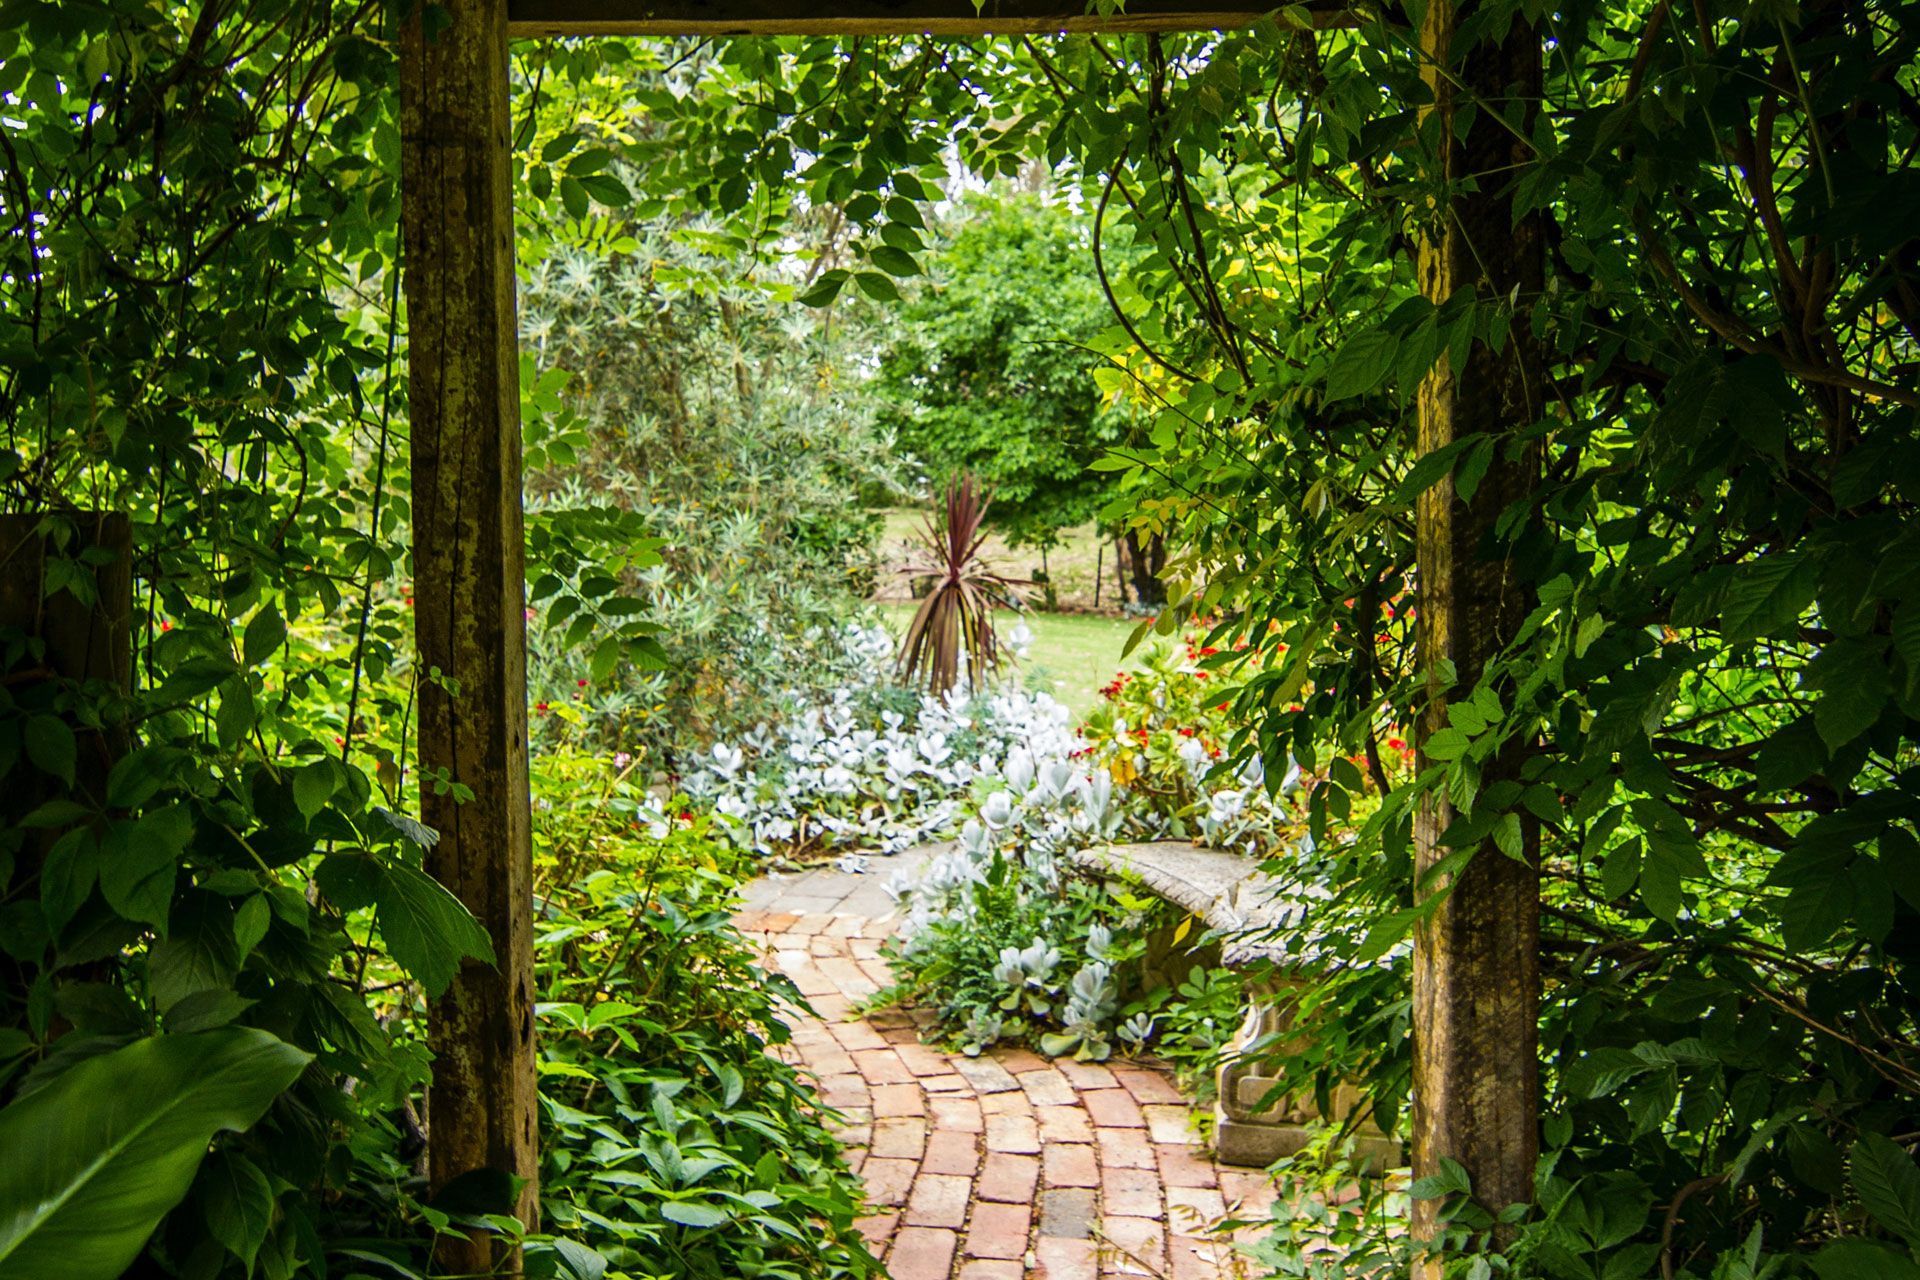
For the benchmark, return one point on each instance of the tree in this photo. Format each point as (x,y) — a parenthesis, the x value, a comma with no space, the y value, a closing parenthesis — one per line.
(988,368)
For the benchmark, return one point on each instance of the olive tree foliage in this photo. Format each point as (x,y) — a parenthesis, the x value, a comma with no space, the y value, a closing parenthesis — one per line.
(1713,698)
(737,432)
(734,429)
(988,367)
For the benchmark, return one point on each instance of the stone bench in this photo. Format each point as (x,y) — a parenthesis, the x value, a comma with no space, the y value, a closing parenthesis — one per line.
(1260,922)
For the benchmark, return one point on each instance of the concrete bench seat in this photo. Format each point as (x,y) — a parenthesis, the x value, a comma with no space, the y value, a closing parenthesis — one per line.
(1260,923)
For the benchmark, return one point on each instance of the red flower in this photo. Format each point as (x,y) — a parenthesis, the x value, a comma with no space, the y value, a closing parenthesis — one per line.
(165,625)
(581,683)
(541,707)
(1397,744)
(1208,652)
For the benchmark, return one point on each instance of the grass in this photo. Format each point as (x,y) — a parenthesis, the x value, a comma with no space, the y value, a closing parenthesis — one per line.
(1072,655)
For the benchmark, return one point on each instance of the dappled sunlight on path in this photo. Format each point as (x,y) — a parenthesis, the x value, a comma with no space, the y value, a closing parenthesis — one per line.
(1001,1166)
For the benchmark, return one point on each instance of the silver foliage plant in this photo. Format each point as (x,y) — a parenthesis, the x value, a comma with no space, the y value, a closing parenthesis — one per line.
(871,769)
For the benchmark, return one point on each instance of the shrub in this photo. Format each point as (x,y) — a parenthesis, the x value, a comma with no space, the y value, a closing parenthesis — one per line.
(675,1143)
(952,632)
(734,431)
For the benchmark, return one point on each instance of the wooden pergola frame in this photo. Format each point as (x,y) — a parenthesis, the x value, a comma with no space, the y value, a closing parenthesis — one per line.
(1476,967)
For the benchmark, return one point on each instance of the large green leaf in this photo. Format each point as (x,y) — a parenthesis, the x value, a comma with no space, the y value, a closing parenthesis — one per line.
(1889,1185)
(427,929)
(97,1157)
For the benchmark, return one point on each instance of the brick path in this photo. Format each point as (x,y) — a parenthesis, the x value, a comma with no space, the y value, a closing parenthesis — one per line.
(1001,1166)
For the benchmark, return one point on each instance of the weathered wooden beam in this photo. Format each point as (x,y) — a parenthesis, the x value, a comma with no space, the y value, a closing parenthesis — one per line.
(469,586)
(889,17)
(1476,967)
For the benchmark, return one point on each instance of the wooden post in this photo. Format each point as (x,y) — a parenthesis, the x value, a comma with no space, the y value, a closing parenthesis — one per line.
(469,584)
(1476,969)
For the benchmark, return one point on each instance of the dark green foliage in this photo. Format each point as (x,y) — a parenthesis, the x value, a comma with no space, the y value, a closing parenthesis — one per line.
(199,329)
(97,1155)
(988,368)
(674,1143)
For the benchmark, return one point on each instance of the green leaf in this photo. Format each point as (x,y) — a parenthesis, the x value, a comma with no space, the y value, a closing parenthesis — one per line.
(1451,1180)
(1900,860)
(1426,473)
(895,262)
(1621,869)
(1814,909)
(427,929)
(1507,836)
(1888,1184)
(235,716)
(606,657)
(265,634)
(824,290)
(573,197)
(578,1262)
(1660,882)
(138,862)
(312,787)
(198,953)
(876,286)
(51,746)
(1363,362)
(1863,1260)
(689,1213)
(237,1201)
(1768,595)
(205,1010)
(95,1158)
(250,923)
(1854,686)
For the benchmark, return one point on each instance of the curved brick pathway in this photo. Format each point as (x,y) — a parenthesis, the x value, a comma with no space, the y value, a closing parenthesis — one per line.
(1001,1166)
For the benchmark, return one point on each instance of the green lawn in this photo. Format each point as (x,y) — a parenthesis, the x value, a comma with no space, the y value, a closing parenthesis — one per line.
(1072,653)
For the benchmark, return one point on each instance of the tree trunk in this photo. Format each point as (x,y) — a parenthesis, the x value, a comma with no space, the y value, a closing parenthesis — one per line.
(470,592)
(1476,970)
(1147,562)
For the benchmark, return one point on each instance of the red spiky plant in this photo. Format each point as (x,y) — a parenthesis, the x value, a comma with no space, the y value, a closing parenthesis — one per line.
(957,614)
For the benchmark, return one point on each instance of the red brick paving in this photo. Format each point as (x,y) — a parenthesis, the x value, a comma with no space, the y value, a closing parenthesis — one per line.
(1003,1166)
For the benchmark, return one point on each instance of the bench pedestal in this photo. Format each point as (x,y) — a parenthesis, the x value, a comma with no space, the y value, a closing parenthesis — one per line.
(1229,894)
(1246,1133)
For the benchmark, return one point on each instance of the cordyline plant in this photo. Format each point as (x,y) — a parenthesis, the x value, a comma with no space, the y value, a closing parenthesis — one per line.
(958,613)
